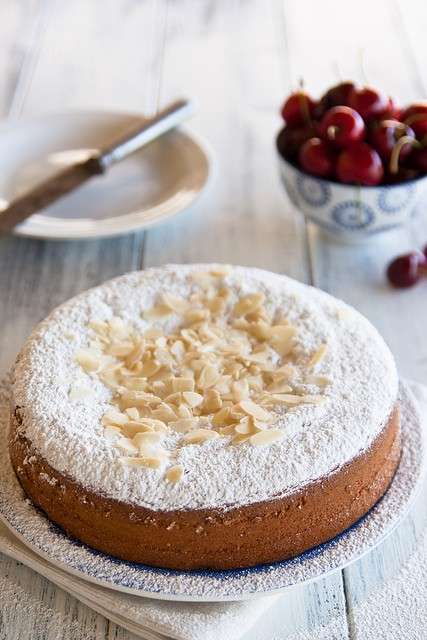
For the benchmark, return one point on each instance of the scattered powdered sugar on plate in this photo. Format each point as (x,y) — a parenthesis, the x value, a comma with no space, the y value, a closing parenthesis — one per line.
(35,530)
(318,439)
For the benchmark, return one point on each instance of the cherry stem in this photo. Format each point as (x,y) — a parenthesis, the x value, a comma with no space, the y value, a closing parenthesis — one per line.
(394,158)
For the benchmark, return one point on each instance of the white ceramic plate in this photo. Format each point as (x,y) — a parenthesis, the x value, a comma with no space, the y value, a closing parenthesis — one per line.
(156,182)
(39,534)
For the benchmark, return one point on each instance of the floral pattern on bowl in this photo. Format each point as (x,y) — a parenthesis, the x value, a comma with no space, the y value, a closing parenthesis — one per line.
(350,212)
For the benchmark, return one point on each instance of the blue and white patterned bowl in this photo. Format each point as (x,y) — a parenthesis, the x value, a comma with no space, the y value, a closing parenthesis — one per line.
(349,212)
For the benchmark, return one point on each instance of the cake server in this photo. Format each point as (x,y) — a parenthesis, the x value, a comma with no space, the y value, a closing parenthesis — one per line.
(72,177)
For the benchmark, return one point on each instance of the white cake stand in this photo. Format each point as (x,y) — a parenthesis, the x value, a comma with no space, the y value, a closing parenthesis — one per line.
(32,527)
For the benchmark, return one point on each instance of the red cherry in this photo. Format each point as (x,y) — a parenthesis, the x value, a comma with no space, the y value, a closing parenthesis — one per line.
(385,135)
(404,271)
(416,117)
(298,109)
(341,126)
(316,157)
(418,159)
(368,102)
(359,164)
(289,140)
(404,174)
(334,97)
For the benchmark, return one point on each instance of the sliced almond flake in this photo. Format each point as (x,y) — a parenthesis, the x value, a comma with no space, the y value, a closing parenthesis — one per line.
(152,333)
(136,354)
(318,356)
(132,428)
(157,312)
(183,411)
(164,412)
(135,384)
(111,433)
(208,377)
(175,303)
(178,349)
(120,349)
(152,462)
(126,445)
(318,381)
(87,359)
(182,384)
(199,436)
(212,401)
(279,387)
(153,423)
(112,416)
(240,390)
(248,304)
(260,330)
(133,413)
(99,326)
(245,426)
(175,473)
(282,339)
(192,399)
(79,391)
(223,417)
(263,438)
(149,368)
(227,431)
(255,410)
(118,329)
(216,305)
(286,398)
(184,425)
(239,438)
(196,315)
(204,279)
(174,398)
(221,270)
(148,438)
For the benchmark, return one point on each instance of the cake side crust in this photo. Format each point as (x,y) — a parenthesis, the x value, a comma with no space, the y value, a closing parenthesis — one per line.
(244,536)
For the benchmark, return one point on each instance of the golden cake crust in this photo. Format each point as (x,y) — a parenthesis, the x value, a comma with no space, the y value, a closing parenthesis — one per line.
(211,538)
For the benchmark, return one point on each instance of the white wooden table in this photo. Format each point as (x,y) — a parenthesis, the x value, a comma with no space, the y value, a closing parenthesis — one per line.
(239,59)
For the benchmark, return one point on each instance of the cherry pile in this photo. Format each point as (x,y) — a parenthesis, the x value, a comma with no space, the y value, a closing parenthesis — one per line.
(354,135)
(405,271)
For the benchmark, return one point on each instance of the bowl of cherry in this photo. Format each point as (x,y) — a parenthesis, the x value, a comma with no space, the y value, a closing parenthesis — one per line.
(353,162)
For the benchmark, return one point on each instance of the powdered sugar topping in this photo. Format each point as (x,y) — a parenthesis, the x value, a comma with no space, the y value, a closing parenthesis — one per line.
(62,405)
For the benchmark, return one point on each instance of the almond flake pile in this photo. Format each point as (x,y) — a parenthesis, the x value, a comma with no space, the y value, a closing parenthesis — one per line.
(219,374)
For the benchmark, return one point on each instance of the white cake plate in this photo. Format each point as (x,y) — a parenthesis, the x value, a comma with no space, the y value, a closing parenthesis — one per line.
(32,527)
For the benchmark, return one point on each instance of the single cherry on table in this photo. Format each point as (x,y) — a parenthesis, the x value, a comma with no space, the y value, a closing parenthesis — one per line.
(405,271)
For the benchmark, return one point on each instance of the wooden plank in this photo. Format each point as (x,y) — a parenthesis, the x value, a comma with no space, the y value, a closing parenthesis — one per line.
(356,273)
(229,57)
(76,59)
(40,609)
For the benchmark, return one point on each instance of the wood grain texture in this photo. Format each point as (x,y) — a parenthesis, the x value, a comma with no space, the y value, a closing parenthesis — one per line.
(238,58)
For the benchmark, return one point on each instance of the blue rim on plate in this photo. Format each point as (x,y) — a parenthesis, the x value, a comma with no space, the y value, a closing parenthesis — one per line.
(32,527)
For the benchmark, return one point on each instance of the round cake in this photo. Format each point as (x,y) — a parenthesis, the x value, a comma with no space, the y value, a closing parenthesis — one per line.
(204,416)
